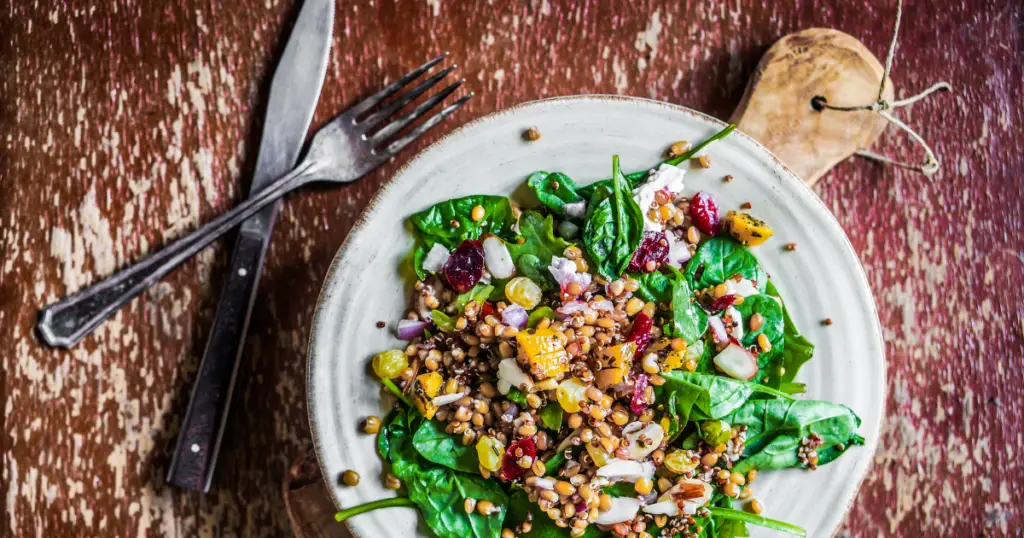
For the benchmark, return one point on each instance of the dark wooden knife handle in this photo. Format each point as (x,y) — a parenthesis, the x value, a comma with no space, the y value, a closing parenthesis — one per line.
(195,455)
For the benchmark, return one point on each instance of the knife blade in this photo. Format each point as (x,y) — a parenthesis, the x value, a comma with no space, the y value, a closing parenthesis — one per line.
(294,92)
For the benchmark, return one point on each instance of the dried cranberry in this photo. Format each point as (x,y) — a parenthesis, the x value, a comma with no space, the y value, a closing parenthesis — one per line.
(653,248)
(510,468)
(641,332)
(488,310)
(638,404)
(704,213)
(722,303)
(465,267)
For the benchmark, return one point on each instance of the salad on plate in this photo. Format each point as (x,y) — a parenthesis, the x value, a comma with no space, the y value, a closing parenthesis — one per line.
(611,362)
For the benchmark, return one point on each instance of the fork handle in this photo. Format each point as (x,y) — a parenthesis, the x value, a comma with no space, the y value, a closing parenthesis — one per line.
(64,323)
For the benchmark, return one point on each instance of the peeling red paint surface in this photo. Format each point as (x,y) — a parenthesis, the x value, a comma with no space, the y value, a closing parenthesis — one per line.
(124,125)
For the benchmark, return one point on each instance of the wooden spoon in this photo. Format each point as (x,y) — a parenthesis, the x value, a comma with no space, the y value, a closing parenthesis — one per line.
(776,106)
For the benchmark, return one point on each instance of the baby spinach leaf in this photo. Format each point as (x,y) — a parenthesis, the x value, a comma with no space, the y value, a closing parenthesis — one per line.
(551,416)
(768,362)
(694,396)
(533,255)
(614,226)
(539,314)
(720,258)
(440,492)
(635,179)
(437,445)
(480,293)
(775,429)
(553,465)
(516,396)
(434,224)
(541,526)
(554,190)
(620,489)
(442,320)
(689,321)
(797,350)
(655,287)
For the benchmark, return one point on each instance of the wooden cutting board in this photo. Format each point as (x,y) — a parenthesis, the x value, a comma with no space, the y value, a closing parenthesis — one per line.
(776,110)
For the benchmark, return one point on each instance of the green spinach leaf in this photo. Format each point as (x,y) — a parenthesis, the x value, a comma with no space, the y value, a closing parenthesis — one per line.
(554,190)
(541,526)
(775,429)
(553,465)
(539,314)
(442,320)
(720,258)
(768,362)
(655,287)
(689,321)
(440,492)
(434,224)
(614,226)
(551,416)
(480,293)
(797,350)
(516,396)
(533,255)
(694,396)
(438,446)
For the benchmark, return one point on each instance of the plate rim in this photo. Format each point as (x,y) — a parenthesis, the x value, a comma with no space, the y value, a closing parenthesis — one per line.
(788,174)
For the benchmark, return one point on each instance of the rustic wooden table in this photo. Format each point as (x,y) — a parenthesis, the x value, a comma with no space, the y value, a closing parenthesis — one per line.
(123,125)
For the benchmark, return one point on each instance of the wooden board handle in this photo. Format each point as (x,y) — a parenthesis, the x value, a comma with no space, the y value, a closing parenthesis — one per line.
(776,106)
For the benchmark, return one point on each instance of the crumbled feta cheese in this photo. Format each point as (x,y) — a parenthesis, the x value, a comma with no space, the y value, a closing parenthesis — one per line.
(666,177)
(737,322)
(744,288)
(436,258)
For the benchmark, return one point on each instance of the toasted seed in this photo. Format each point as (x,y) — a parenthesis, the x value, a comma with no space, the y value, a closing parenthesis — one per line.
(391,481)
(485,508)
(704,161)
(372,424)
(756,321)
(350,478)
(756,506)
(763,342)
(678,148)
(532,134)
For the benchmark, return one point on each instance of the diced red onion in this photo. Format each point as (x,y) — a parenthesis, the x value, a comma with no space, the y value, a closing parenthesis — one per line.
(564,271)
(514,316)
(718,329)
(678,251)
(638,404)
(573,307)
(605,305)
(409,329)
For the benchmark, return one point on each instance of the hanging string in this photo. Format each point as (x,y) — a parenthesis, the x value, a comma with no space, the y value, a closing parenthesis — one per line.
(881,106)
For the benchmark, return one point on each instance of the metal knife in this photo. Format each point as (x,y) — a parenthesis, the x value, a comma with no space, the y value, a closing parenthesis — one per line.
(294,92)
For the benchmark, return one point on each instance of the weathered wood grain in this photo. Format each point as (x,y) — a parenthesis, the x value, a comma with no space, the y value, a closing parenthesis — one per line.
(125,123)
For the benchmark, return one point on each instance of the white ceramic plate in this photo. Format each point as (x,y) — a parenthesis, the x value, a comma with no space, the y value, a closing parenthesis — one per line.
(822,278)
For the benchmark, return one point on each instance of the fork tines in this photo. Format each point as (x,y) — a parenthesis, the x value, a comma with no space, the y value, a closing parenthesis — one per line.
(379,128)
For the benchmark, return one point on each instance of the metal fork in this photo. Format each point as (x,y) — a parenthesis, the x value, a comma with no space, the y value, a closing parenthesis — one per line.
(345,149)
